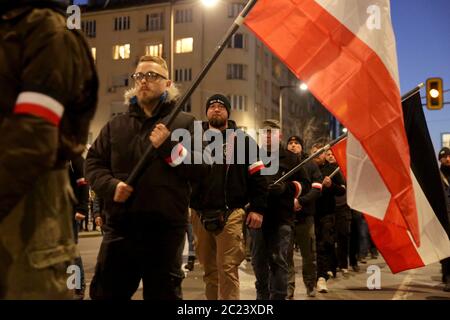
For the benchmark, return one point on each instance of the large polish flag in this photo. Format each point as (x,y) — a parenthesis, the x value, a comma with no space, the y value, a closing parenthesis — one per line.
(345,52)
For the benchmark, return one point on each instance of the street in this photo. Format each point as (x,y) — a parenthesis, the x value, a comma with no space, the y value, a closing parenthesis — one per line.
(419,284)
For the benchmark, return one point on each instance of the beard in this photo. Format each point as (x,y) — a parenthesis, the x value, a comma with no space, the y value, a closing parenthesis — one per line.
(445,170)
(217,122)
(146,99)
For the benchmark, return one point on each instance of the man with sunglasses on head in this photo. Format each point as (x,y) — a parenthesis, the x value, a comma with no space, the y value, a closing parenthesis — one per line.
(145,224)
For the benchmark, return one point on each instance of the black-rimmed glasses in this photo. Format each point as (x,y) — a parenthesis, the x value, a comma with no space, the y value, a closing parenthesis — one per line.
(149,76)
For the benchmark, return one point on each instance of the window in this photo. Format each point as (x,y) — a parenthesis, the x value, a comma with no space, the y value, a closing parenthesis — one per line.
(236,71)
(276,68)
(121,23)
(155,21)
(183,16)
(89,28)
(234,9)
(238,102)
(445,137)
(154,50)
(237,41)
(184,45)
(94,53)
(121,51)
(258,82)
(183,75)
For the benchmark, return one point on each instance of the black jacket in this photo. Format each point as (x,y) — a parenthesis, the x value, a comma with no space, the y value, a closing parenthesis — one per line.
(233,186)
(445,171)
(281,207)
(79,185)
(326,204)
(162,192)
(312,187)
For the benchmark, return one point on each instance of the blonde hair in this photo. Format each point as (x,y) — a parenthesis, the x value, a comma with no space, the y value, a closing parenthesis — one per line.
(158,60)
(172,92)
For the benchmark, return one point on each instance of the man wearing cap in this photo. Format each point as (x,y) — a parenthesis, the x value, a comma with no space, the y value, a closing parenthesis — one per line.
(218,202)
(304,235)
(444,159)
(271,245)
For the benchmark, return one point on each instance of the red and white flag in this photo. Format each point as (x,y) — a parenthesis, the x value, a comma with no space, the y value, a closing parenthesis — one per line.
(345,52)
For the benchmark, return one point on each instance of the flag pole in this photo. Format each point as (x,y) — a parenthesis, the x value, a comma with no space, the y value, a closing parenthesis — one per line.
(412,92)
(334,172)
(143,162)
(315,154)
(406,96)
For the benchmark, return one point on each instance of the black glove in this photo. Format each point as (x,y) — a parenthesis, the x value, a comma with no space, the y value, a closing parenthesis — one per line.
(277,189)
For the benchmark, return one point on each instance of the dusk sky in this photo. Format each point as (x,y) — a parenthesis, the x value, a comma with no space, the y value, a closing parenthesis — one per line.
(422,30)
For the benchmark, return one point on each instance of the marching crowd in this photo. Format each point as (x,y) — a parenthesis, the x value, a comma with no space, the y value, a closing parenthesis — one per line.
(44,123)
(217,204)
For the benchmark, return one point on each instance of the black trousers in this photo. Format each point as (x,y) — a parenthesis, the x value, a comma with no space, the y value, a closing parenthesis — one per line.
(326,254)
(342,225)
(354,237)
(152,253)
(445,270)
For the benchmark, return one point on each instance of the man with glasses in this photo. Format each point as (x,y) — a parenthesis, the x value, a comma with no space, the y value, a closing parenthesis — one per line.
(145,224)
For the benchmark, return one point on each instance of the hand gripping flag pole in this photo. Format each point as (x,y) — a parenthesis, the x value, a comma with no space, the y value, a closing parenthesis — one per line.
(143,162)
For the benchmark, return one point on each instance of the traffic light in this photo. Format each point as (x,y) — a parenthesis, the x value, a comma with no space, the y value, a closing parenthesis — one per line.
(435,97)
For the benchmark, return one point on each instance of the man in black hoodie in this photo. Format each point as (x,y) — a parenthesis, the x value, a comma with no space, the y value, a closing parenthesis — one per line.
(444,159)
(218,202)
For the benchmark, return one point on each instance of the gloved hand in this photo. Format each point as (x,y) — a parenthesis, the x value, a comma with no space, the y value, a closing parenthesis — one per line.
(277,189)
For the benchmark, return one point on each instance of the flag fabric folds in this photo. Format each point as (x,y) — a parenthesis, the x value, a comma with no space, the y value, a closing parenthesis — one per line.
(345,52)
(393,240)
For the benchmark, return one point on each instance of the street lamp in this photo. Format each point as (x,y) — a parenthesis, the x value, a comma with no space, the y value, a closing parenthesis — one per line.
(209,3)
(301,86)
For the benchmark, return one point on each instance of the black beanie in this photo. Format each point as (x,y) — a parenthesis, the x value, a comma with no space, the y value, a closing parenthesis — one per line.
(219,99)
(444,152)
(296,138)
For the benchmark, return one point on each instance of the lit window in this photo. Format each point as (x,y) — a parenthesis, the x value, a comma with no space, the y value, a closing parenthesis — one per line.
(121,51)
(184,45)
(154,50)
(445,137)
(94,53)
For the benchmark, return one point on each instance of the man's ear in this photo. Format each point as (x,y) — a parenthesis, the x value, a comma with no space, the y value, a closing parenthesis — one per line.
(168,83)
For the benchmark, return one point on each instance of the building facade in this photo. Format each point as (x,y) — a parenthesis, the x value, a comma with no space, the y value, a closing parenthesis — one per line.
(246,71)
